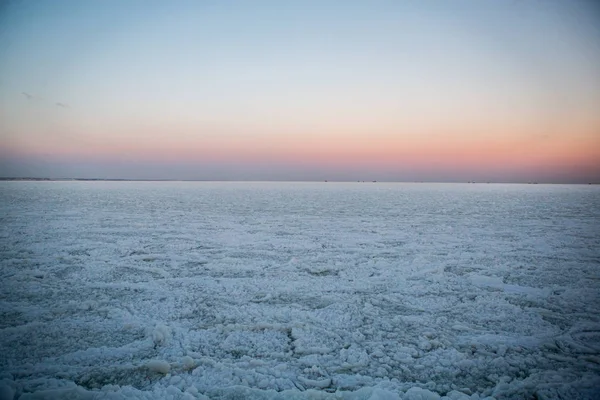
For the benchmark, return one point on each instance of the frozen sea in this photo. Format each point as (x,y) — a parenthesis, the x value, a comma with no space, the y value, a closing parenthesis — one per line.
(195,290)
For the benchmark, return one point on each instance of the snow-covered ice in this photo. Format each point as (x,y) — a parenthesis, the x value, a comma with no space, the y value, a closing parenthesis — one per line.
(175,290)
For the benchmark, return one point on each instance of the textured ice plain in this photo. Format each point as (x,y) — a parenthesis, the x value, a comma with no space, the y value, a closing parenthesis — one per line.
(170,290)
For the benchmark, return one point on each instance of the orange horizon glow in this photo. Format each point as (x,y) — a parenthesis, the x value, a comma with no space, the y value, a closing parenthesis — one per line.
(491,151)
(506,90)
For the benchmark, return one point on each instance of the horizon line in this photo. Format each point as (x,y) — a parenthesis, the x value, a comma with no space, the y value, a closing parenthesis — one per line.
(46,179)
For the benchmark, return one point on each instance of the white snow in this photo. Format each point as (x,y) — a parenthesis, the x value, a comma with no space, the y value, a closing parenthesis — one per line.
(159,366)
(188,362)
(173,290)
(416,393)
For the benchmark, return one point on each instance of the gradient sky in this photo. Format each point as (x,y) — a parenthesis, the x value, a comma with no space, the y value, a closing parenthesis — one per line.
(446,90)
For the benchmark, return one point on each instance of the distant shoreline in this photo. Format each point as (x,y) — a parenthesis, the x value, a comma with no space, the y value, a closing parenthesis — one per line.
(39,179)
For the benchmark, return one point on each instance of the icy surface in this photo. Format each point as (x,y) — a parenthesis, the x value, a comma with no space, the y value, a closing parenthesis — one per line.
(159,290)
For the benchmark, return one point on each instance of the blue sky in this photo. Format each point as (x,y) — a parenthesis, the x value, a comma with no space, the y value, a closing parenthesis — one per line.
(396,90)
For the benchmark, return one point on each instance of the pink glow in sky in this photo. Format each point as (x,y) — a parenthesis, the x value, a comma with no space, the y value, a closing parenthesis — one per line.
(448,91)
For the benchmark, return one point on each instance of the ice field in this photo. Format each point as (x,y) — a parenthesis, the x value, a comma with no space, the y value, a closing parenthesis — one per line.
(195,290)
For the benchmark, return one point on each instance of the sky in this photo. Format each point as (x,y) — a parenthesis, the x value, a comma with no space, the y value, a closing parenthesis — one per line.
(445,90)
